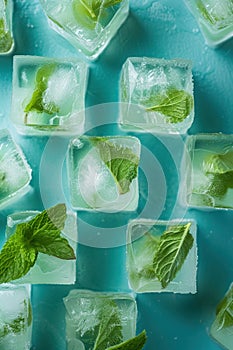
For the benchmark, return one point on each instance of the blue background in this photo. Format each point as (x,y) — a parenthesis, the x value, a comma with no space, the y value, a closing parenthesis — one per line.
(157,29)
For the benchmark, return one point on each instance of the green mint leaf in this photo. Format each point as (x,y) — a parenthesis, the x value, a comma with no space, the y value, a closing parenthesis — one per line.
(120,160)
(6,40)
(110,329)
(224,311)
(136,343)
(16,326)
(150,247)
(176,105)
(37,103)
(219,163)
(205,14)
(16,257)
(173,248)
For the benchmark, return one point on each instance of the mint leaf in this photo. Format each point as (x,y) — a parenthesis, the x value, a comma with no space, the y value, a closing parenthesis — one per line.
(224,311)
(176,105)
(120,160)
(173,248)
(6,40)
(136,343)
(205,14)
(110,329)
(37,103)
(41,234)
(16,326)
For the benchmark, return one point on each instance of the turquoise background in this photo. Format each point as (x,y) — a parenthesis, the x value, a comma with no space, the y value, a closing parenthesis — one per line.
(157,29)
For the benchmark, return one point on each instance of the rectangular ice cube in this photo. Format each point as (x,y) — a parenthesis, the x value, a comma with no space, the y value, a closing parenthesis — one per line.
(215,19)
(144,251)
(222,327)
(156,95)
(92,315)
(15,317)
(48,95)
(6,34)
(208,171)
(102,173)
(48,269)
(15,173)
(88,25)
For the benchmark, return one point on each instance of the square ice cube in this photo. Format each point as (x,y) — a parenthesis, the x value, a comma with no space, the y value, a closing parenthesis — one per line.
(156,95)
(215,19)
(6,34)
(87,25)
(102,173)
(15,317)
(91,314)
(222,327)
(48,95)
(208,171)
(48,269)
(15,173)
(143,238)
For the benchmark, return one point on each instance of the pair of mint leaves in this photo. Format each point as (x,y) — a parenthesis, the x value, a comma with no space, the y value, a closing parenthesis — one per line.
(42,234)
(87,12)
(107,334)
(169,253)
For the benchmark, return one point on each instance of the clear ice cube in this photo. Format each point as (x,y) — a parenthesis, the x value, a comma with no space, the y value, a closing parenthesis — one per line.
(215,19)
(48,269)
(156,95)
(208,171)
(15,317)
(92,180)
(87,24)
(87,312)
(48,95)
(15,173)
(142,243)
(222,327)
(6,34)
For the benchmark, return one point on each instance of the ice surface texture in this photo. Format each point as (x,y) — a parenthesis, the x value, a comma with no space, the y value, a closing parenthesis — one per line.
(100,170)
(215,19)
(15,317)
(15,173)
(142,243)
(48,269)
(88,25)
(156,95)
(207,170)
(48,95)
(87,312)
(6,34)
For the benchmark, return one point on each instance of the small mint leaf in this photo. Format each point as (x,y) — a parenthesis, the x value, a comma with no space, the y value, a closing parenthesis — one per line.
(6,41)
(136,343)
(224,311)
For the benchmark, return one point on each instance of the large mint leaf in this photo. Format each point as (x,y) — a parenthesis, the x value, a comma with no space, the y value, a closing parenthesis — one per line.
(176,105)
(136,343)
(218,164)
(224,311)
(120,160)
(173,248)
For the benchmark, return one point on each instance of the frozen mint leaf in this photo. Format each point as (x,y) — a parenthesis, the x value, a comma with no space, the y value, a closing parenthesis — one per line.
(176,105)
(37,103)
(110,329)
(219,163)
(224,311)
(150,246)
(202,9)
(136,343)
(16,257)
(174,246)
(16,326)
(5,37)
(120,160)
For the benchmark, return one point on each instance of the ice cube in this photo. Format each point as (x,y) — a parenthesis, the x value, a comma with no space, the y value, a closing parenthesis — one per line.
(215,19)
(208,171)
(142,243)
(48,269)
(222,327)
(88,26)
(15,173)
(48,95)
(6,34)
(102,173)
(87,312)
(15,317)
(156,95)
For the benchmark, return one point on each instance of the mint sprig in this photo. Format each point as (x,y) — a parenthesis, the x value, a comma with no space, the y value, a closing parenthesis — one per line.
(136,343)
(42,234)
(174,104)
